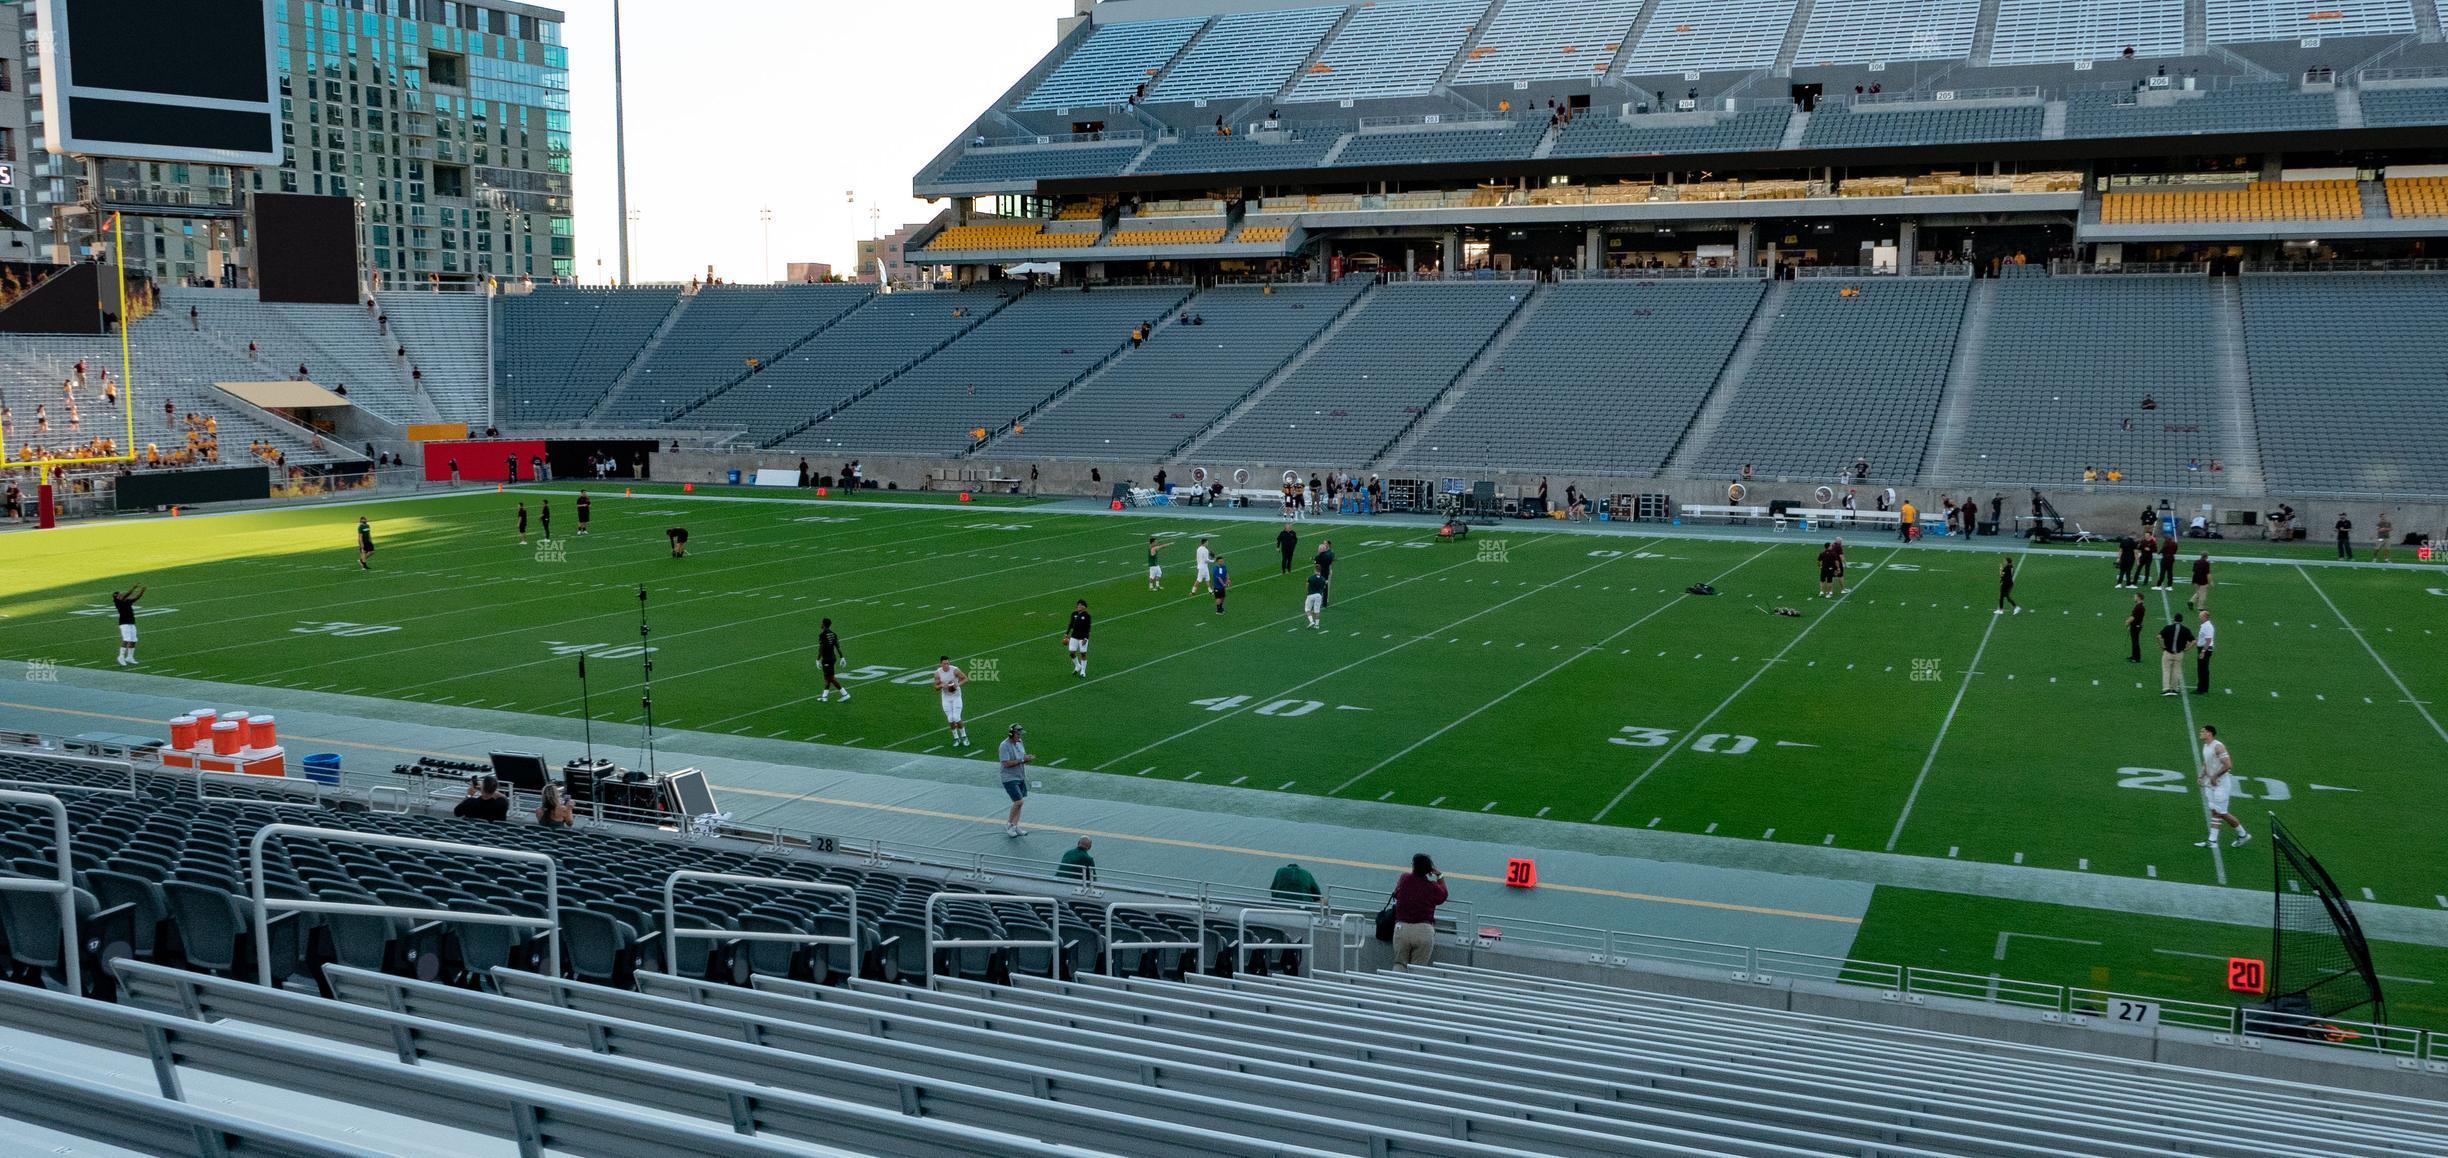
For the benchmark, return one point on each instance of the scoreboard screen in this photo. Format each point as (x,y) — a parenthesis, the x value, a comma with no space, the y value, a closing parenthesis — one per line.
(160,80)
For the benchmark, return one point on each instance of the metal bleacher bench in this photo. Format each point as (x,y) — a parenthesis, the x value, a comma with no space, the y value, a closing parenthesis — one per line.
(1709,511)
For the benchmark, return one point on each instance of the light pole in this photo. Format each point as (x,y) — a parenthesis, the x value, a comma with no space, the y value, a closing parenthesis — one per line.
(765,216)
(627,241)
(620,147)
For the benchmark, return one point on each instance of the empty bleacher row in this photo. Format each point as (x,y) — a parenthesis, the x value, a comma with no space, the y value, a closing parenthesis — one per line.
(883,337)
(1184,377)
(1604,376)
(993,374)
(718,333)
(454,1035)
(1848,369)
(1835,126)
(568,346)
(445,338)
(339,346)
(2417,196)
(2346,385)
(2065,371)
(2255,109)
(1508,141)
(1206,152)
(2251,201)
(1365,382)
(1601,136)
(176,365)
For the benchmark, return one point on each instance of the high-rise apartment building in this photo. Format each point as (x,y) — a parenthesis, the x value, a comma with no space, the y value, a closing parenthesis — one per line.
(446,122)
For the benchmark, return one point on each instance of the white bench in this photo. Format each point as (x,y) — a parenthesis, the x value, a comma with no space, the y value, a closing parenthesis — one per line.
(1718,511)
(1838,516)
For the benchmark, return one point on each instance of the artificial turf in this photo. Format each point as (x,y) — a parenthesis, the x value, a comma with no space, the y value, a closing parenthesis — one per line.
(1553,675)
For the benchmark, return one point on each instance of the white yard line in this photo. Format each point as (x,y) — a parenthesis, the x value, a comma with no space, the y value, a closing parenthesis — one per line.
(1696,729)
(1931,761)
(2218,859)
(1371,657)
(1037,638)
(1567,661)
(2385,669)
(1268,625)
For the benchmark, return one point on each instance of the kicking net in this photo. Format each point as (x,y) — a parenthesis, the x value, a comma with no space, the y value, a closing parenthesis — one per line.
(2320,965)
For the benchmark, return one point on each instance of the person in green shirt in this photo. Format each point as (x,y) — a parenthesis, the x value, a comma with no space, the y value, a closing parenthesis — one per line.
(1294,884)
(1077,864)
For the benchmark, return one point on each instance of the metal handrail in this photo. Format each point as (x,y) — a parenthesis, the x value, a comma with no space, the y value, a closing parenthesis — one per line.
(1053,946)
(63,889)
(1309,920)
(549,923)
(1984,988)
(673,931)
(2188,1014)
(1348,908)
(1197,912)
(2312,1029)
(1943,95)
(277,785)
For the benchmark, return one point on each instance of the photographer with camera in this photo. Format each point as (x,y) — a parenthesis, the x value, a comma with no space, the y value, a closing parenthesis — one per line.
(484,801)
(554,810)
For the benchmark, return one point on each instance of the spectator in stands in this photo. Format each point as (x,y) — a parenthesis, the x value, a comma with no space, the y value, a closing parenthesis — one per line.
(2148,402)
(1294,885)
(341,389)
(484,801)
(2090,474)
(1076,863)
(2116,474)
(1416,896)
(1746,472)
(169,414)
(382,324)
(2193,464)
(554,810)
(193,321)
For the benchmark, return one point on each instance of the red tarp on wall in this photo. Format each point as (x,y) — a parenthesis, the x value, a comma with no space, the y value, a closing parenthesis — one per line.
(484,460)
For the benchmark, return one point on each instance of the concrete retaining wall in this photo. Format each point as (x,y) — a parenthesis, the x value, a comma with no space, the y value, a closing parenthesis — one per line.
(2102,508)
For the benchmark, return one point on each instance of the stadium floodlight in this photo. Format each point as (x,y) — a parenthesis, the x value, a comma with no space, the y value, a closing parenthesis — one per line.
(46,468)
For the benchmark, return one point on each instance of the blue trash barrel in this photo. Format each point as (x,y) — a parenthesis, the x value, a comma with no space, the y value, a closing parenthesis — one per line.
(324,768)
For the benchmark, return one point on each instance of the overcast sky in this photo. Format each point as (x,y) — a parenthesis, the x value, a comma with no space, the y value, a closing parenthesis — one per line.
(740,105)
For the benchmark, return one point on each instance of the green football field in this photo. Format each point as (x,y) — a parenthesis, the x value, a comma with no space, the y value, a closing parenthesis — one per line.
(1524,672)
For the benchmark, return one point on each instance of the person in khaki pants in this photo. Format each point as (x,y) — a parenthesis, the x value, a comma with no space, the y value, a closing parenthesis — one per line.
(1416,897)
(2174,641)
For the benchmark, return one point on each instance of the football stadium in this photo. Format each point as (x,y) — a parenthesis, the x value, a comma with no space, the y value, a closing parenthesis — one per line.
(853,714)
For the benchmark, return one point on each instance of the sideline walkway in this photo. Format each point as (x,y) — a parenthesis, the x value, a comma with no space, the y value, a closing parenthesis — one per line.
(1804,898)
